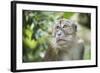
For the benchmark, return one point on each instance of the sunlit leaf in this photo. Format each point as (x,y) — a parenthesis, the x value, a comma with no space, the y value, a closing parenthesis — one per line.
(30,43)
(67,15)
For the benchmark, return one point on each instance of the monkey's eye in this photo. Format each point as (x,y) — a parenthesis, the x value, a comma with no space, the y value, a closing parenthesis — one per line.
(57,27)
(65,26)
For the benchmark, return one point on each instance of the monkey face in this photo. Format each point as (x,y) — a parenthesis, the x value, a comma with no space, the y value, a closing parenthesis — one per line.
(64,32)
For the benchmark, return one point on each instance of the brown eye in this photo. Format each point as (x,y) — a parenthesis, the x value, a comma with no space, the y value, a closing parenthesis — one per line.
(57,27)
(65,26)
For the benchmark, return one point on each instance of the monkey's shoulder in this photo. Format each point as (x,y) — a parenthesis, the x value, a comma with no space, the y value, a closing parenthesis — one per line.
(80,44)
(80,41)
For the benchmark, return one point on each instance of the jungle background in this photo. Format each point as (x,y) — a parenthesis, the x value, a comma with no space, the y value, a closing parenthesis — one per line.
(37,28)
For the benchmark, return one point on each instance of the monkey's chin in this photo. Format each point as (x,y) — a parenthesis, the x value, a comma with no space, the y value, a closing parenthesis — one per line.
(61,42)
(64,44)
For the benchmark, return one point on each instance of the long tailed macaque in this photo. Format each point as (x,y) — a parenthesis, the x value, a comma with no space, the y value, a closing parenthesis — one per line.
(65,44)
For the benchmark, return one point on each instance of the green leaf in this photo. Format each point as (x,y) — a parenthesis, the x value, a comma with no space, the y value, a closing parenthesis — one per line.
(67,15)
(30,43)
(27,31)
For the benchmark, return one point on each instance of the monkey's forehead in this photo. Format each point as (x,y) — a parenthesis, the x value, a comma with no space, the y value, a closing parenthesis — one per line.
(64,21)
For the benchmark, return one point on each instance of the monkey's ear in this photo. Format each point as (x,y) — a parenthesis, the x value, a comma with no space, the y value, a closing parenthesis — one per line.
(74,24)
(53,31)
(75,27)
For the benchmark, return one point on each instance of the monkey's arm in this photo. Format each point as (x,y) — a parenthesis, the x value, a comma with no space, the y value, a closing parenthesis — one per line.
(78,51)
(50,54)
(82,49)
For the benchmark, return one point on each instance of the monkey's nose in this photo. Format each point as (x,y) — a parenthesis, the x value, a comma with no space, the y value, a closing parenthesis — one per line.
(59,34)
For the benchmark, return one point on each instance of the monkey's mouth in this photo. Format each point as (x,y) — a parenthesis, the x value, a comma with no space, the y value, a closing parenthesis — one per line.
(61,40)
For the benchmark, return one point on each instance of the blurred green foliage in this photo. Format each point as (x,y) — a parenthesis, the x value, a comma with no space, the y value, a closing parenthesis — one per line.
(85,20)
(36,31)
(36,25)
(68,14)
